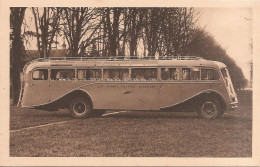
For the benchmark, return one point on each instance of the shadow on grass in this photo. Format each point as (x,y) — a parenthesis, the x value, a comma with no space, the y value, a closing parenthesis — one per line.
(149,115)
(65,115)
(234,118)
(55,115)
(175,115)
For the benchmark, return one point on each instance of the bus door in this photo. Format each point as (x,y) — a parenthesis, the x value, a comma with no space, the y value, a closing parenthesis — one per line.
(170,86)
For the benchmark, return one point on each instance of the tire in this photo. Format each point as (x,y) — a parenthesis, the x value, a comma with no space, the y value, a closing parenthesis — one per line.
(80,108)
(210,108)
(98,113)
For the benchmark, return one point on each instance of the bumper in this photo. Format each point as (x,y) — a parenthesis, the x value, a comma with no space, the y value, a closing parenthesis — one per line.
(233,105)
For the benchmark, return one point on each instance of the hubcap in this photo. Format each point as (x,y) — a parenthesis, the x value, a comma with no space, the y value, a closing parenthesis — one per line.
(79,108)
(209,109)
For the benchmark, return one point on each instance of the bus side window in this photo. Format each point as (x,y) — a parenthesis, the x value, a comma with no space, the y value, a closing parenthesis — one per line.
(137,74)
(116,74)
(62,74)
(90,74)
(41,74)
(168,74)
(209,74)
(191,73)
(144,74)
(186,74)
(122,74)
(195,73)
(81,75)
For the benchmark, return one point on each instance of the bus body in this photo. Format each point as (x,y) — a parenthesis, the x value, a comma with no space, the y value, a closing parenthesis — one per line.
(93,85)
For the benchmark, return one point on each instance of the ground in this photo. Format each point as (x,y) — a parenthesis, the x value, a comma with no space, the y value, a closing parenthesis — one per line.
(36,133)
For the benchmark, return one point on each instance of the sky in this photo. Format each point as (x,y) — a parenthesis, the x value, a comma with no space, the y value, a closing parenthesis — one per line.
(232,29)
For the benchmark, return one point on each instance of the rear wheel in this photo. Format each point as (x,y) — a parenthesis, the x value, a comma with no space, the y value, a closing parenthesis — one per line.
(210,109)
(80,108)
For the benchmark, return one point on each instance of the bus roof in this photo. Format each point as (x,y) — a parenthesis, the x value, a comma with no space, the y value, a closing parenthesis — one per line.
(189,61)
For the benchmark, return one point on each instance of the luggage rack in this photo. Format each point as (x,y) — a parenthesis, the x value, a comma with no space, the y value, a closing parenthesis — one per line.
(118,58)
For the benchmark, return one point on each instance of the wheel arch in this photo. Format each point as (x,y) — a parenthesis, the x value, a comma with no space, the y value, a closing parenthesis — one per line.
(64,101)
(80,93)
(215,95)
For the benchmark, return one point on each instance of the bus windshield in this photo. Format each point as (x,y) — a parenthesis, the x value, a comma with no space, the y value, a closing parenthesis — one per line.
(227,78)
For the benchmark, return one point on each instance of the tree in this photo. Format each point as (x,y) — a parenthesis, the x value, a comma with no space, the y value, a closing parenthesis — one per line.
(16,21)
(167,31)
(177,27)
(152,31)
(80,28)
(204,45)
(135,26)
(113,29)
(46,25)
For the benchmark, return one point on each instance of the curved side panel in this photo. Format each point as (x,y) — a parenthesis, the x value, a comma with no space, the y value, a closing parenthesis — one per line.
(37,94)
(198,94)
(173,94)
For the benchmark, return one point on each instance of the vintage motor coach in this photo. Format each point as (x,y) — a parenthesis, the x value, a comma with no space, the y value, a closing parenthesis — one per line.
(90,86)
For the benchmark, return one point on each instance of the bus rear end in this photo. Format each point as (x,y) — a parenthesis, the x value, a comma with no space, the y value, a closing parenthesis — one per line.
(22,80)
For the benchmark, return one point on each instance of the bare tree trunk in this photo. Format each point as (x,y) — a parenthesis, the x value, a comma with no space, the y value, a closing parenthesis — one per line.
(16,20)
(113,33)
(46,26)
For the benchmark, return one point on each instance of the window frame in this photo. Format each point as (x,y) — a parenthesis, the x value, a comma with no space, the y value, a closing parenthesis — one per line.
(36,69)
(116,68)
(176,67)
(151,67)
(62,68)
(209,68)
(88,68)
(200,80)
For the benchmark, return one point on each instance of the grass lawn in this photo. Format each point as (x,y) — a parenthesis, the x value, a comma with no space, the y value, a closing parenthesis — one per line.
(134,134)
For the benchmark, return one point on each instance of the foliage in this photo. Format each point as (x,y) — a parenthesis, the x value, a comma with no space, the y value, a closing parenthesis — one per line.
(144,32)
(205,46)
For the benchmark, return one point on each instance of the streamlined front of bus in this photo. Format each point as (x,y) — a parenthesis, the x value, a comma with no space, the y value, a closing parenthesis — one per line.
(230,89)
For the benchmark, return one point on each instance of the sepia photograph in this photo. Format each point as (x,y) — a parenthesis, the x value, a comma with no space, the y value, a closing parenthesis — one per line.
(136,82)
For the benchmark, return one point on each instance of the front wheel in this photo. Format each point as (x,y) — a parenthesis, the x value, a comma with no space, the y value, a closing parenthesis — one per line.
(210,109)
(80,108)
